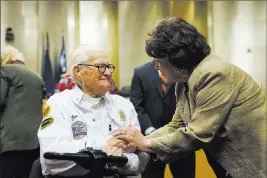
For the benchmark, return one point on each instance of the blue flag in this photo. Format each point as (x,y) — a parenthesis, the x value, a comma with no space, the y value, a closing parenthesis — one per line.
(47,73)
(61,67)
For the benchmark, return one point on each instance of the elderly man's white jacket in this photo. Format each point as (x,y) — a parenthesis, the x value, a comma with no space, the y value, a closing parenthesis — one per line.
(73,121)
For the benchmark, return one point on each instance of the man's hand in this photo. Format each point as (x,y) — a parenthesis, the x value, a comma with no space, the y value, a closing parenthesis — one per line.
(114,147)
(134,136)
(115,142)
(113,151)
(126,147)
(129,148)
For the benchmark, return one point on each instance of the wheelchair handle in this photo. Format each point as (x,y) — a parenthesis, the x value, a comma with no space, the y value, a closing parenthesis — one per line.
(119,161)
(67,156)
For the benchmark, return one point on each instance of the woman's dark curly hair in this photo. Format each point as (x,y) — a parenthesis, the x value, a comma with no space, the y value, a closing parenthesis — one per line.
(178,40)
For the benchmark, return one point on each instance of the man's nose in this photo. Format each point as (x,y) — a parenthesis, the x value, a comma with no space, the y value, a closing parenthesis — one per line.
(107,72)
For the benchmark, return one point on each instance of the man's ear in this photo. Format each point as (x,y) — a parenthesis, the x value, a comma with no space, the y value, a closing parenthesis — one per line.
(75,71)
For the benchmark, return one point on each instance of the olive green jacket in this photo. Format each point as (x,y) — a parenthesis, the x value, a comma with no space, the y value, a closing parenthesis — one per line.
(224,112)
(21,97)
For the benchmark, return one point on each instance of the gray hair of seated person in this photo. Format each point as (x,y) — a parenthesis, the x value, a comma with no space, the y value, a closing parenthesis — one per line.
(82,55)
(10,53)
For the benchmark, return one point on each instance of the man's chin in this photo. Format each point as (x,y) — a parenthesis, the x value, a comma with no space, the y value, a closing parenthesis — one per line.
(106,87)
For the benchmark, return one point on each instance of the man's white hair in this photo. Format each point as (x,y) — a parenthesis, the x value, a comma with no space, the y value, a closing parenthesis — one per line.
(81,55)
(9,53)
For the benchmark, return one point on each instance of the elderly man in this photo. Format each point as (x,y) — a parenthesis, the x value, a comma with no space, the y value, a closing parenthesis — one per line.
(87,115)
(20,115)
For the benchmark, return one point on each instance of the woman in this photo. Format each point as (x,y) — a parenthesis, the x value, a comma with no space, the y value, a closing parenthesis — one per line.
(21,93)
(220,108)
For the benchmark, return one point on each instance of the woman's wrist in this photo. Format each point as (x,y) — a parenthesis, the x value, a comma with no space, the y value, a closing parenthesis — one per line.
(147,145)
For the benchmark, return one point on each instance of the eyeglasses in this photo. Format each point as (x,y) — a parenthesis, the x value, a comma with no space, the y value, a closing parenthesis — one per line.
(101,67)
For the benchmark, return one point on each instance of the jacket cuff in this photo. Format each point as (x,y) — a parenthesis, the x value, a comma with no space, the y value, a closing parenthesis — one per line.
(149,130)
(155,146)
(133,162)
(132,165)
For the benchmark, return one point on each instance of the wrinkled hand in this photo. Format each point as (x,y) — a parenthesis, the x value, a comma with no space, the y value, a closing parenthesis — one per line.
(133,137)
(115,142)
(113,151)
(127,147)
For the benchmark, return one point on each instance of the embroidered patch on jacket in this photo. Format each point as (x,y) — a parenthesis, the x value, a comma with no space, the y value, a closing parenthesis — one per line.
(46,122)
(73,117)
(79,130)
(46,111)
(122,115)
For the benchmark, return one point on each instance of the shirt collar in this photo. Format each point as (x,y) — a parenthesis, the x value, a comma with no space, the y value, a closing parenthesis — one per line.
(78,95)
(159,72)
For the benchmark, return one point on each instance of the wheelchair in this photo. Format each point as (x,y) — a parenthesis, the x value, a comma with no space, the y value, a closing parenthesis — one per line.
(97,161)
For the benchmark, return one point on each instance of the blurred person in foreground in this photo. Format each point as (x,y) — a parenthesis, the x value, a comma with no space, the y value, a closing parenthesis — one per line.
(220,108)
(87,116)
(20,115)
(154,100)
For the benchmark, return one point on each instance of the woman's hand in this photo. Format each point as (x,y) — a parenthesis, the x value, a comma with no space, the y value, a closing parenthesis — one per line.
(133,137)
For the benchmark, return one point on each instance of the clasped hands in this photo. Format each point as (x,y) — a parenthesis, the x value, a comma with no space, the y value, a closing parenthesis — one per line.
(127,139)
(117,147)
